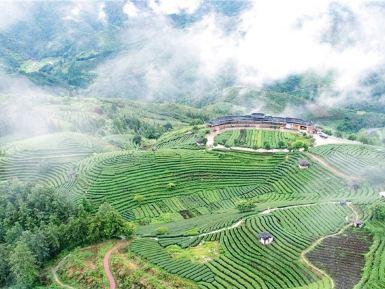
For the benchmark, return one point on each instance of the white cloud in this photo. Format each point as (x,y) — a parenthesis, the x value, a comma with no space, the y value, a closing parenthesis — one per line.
(130,9)
(269,41)
(12,12)
(101,14)
(174,6)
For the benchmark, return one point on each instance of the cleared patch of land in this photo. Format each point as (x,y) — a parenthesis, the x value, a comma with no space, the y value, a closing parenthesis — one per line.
(83,268)
(342,257)
(203,253)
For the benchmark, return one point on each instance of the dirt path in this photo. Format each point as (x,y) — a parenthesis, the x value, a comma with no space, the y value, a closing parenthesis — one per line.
(55,277)
(331,168)
(315,269)
(106,262)
(241,221)
(303,258)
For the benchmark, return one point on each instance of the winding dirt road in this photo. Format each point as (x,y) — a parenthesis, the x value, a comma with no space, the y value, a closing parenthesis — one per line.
(55,277)
(106,262)
(242,220)
(303,259)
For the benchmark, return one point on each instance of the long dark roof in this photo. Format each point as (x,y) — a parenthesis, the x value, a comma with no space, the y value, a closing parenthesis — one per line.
(303,162)
(265,235)
(256,117)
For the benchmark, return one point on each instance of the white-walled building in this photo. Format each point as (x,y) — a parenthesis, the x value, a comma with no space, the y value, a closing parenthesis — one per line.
(266,238)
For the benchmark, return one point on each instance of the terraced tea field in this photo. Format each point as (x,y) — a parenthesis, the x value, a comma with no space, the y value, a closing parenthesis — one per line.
(244,262)
(170,182)
(184,196)
(187,138)
(49,159)
(256,138)
(351,159)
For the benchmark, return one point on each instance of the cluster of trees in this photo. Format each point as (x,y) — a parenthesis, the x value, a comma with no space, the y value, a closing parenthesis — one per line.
(36,223)
(125,123)
(379,212)
(245,206)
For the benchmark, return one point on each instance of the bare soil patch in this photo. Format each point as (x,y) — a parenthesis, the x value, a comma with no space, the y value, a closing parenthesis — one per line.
(342,257)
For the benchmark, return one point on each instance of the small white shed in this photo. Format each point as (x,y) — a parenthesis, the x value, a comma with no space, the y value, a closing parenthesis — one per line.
(266,238)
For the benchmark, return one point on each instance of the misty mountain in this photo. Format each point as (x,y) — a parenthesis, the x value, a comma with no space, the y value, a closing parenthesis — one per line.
(195,52)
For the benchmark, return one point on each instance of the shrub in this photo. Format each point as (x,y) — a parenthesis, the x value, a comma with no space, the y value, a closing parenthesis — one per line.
(162,231)
(245,206)
(266,146)
(352,137)
(139,198)
(379,212)
(281,144)
(137,139)
(167,126)
(202,140)
(171,186)
(297,145)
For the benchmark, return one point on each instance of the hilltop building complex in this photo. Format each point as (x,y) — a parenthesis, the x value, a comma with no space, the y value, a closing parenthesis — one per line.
(260,120)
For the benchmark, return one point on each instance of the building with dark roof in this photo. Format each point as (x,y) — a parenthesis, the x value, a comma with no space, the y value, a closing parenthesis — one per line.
(343,202)
(266,238)
(260,120)
(358,223)
(303,164)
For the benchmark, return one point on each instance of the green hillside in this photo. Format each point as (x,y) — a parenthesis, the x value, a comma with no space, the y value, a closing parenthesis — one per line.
(169,144)
(199,211)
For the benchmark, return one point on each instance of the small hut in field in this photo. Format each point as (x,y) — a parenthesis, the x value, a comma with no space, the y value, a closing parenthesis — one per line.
(303,164)
(358,223)
(343,203)
(266,238)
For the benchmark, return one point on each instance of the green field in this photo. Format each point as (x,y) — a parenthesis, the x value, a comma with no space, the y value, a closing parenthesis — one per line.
(184,197)
(191,144)
(255,138)
(244,262)
(50,159)
(202,182)
(352,159)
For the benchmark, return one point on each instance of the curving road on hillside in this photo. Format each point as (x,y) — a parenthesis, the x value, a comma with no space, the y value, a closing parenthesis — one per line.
(303,258)
(106,262)
(55,277)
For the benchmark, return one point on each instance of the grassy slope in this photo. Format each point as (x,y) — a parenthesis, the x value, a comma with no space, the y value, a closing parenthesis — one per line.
(83,268)
(206,184)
